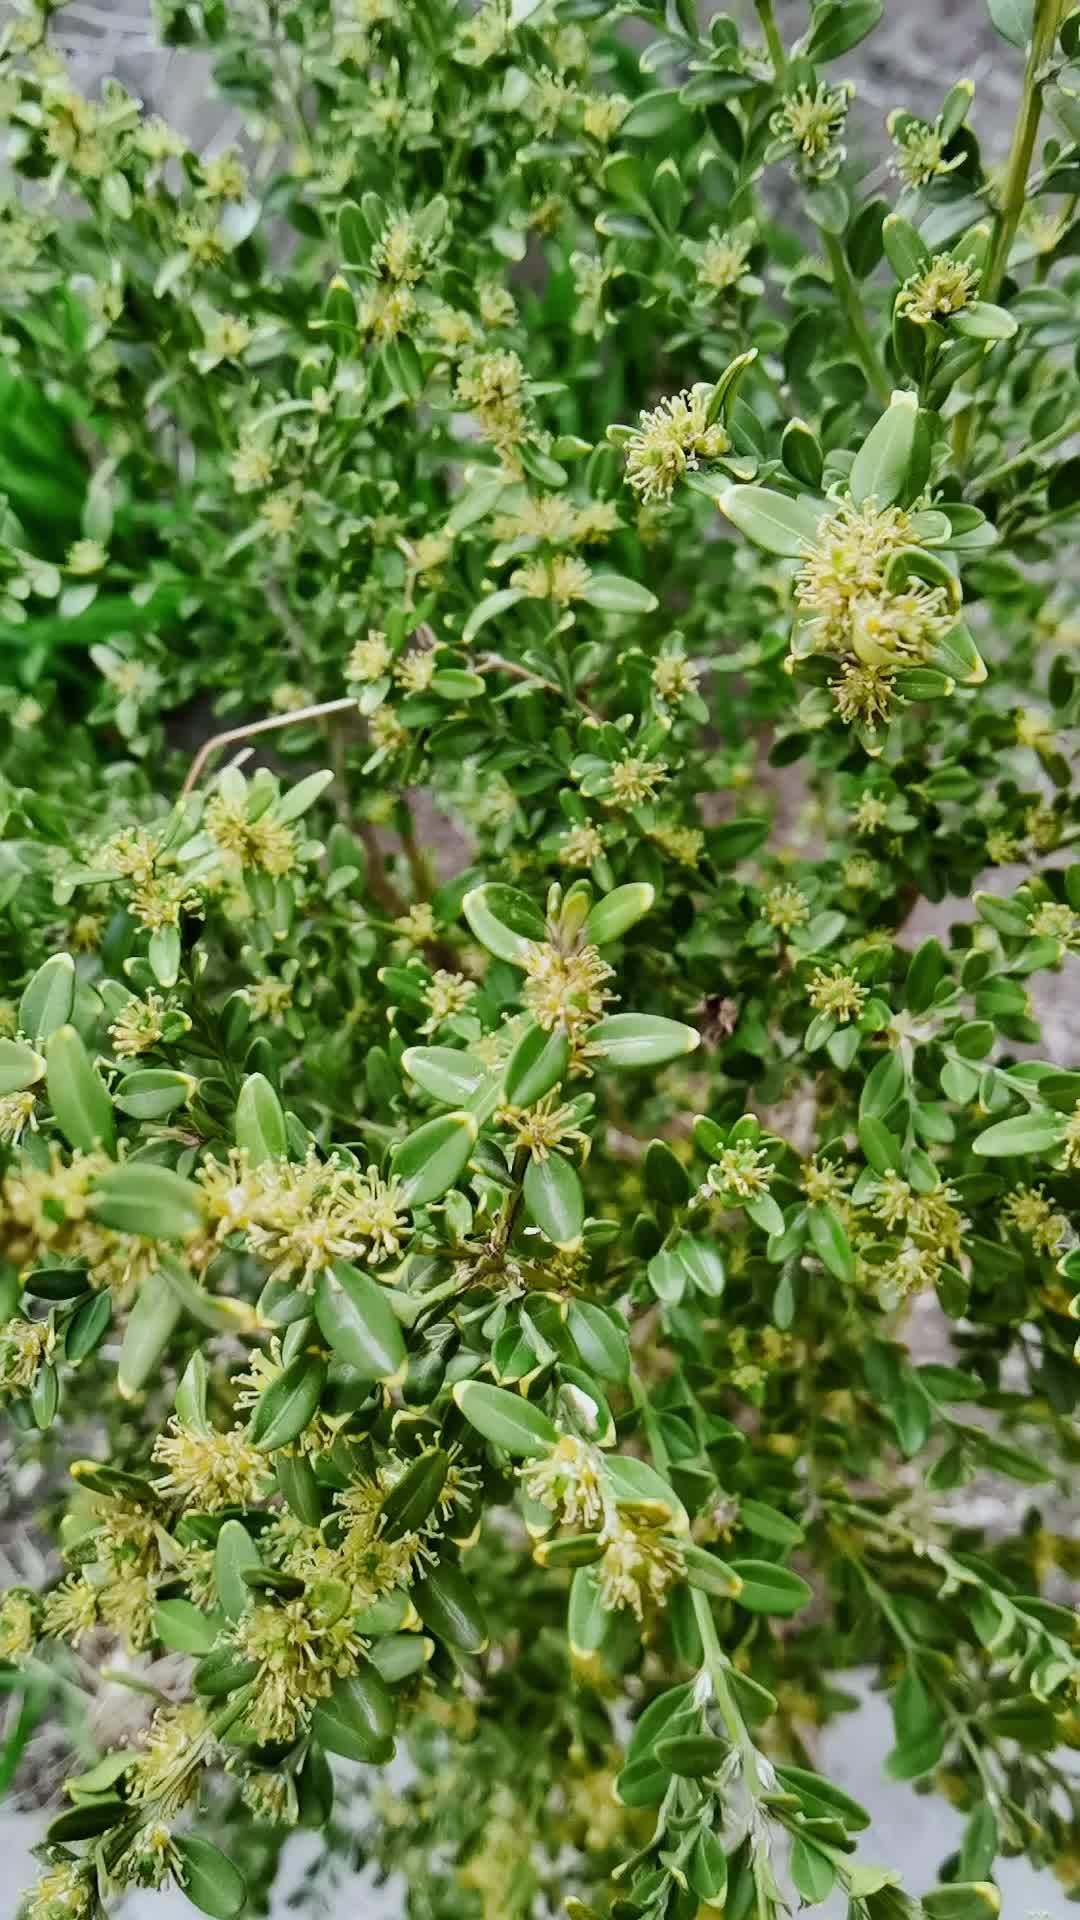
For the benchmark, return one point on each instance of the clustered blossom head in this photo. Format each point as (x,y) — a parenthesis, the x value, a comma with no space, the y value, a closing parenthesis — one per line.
(301,1215)
(672,440)
(943,288)
(853,613)
(493,386)
(566,992)
(740,1172)
(569,1481)
(722,260)
(813,123)
(837,993)
(1031,1213)
(216,1469)
(785,908)
(919,153)
(543,1127)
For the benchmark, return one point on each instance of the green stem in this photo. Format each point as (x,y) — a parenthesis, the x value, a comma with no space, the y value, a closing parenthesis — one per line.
(717,1668)
(772,39)
(1047,19)
(861,338)
(1033,452)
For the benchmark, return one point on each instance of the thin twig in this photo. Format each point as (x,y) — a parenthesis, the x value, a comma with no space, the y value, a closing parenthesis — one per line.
(258,726)
(497,664)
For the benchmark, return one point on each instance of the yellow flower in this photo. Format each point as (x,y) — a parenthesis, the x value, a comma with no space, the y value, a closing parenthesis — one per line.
(670,441)
(566,992)
(569,1481)
(370,659)
(637,1568)
(138,1026)
(1054,920)
(17,1112)
(920,154)
(446,994)
(24,1345)
(86,556)
(785,908)
(674,677)
(1030,1212)
(634,781)
(64,1892)
(741,1169)
(837,992)
(213,1470)
(580,846)
(939,290)
(814,123)
(417,926)
(562,579)
(542,1127)
(722,261)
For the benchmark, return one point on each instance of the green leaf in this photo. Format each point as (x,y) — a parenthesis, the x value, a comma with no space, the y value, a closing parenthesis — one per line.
(448,1606)
(882,462)
(504,921)
(507,1419)
(769,1524)
(692,1755)
(1014,20)
(882,1088)
(489,609)
(880,1147)
(974,1900)
(151,1324)
(772,520)
(554,1198)
(210,1880)
(629,1040)
(415,1495)
(235,1553)
(1028,1133)
(614,593)
(830,1243)
(77,1094)
(537,1064)
(288,1404)
(604,1346)
(152,1201)
(260,1122)
(770,1589)
(618,911)
(152,1093)
(430,1161)
(183,1628)
(666,1179)
(905,249)
(447,1073)
(838,26)
(813,1874)
(48,998)
(20,1066)
(983,321)
(356,1319)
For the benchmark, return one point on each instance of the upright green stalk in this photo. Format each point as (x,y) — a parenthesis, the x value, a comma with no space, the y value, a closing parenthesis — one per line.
(772,39)
(1047,20)
(861,338)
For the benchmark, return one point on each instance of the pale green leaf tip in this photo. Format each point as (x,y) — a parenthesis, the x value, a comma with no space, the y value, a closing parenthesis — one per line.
(467,1121)
(903,397)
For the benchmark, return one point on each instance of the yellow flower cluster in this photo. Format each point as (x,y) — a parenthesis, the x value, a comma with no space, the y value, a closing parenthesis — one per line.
(566,992)
(854,614)
(672,440)
(301,1215)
